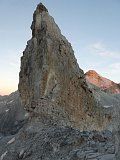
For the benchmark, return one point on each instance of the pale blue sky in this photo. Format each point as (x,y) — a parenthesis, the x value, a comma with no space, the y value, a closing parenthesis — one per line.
(92,27)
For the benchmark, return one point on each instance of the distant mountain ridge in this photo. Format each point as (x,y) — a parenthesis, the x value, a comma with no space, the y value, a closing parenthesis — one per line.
(103,83)
(12,114)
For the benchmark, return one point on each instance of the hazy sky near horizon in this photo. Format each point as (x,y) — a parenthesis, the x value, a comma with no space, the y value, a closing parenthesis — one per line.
(91,26)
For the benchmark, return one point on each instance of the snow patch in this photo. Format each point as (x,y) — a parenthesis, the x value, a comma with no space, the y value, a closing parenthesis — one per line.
(107,106)
(26,115)
(3,155)
(7,110)
(10,102)
(11,141)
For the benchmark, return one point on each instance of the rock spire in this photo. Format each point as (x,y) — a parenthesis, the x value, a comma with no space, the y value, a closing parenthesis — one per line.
(51,84)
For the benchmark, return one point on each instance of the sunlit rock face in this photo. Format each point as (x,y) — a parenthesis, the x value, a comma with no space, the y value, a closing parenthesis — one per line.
(108,94)
(51,83)
(101,82)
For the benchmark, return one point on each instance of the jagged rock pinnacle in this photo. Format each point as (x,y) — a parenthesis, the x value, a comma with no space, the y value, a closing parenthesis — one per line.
(41,8)
(51,82)
(37,18)
(43,23)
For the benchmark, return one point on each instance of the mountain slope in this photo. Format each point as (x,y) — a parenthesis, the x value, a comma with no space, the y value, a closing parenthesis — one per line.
(12,114)
(103,83)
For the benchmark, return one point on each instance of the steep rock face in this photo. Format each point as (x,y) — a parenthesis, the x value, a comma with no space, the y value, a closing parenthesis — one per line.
(101,82)
(51,82)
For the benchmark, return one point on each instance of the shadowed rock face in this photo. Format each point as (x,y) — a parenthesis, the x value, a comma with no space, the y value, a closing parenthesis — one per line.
(51,82)
(12,114)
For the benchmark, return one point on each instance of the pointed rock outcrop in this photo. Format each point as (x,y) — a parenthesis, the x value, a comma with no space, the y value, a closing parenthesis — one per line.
(51,83)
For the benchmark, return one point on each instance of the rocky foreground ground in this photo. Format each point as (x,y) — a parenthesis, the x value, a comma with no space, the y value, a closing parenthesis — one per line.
(47,141)
(21,138)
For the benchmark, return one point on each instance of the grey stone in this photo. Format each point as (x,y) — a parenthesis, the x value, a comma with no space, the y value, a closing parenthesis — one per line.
(108,157)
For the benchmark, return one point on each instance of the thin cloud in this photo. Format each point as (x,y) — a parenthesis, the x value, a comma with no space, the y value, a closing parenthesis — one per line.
(112,71)
(14,64)
(13,58)
(115,68)
(100,49)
